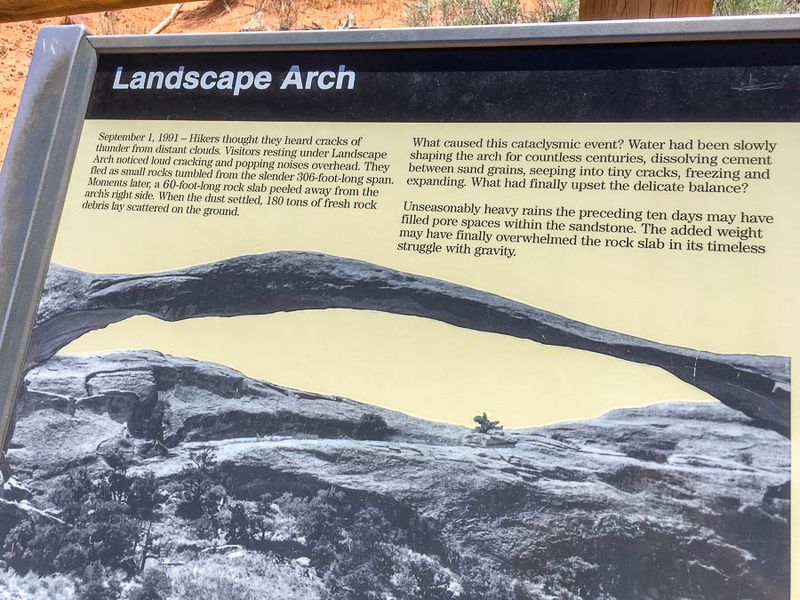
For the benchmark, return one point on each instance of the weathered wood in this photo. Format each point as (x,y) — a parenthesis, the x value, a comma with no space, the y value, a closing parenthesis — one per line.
(24,10)
(595,10)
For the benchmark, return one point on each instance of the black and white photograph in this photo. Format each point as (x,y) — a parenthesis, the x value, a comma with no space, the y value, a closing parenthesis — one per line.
(160,476)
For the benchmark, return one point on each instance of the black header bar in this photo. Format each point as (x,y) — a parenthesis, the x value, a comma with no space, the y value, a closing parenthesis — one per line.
(742,80)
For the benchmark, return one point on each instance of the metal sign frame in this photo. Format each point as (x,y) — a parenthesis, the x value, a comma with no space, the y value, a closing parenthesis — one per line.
(36,172)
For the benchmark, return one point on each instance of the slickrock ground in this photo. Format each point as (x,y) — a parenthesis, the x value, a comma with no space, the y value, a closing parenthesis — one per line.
(668,501)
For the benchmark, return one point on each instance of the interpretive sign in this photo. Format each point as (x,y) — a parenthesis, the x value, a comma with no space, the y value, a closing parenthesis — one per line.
(481,313)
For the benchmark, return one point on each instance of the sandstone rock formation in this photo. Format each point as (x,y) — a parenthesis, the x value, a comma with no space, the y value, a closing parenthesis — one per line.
(75,303)
(667,501)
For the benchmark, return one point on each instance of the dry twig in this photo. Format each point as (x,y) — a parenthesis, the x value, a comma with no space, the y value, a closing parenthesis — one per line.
(173,14)
(349,22)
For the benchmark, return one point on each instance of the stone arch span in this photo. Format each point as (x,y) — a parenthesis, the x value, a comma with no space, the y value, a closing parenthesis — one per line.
(74,303)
